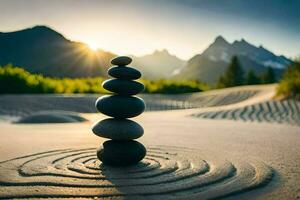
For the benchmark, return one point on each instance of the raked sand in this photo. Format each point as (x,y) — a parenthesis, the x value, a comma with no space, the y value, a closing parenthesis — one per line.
(188,158)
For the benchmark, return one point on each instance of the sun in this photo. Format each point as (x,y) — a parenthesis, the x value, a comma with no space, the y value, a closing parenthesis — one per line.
(93,46)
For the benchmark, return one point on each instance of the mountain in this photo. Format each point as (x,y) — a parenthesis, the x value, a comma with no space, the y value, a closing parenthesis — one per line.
(43,50)
(159,64)
(212,63)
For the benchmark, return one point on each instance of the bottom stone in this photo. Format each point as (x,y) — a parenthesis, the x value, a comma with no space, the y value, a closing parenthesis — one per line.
(121,153)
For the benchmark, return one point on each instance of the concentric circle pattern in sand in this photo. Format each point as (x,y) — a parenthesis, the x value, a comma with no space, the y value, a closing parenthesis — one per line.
(285,111)
(165,173)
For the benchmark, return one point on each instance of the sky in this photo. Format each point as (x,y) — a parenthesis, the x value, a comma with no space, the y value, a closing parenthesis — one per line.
(139,27)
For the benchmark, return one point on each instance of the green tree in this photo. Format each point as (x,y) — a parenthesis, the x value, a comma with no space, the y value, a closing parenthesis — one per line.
(268,76)
(233,76)
(289,86)
(252,78)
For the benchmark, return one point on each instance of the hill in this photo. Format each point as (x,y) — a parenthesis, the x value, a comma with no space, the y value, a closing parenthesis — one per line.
(43,50)
(159,64)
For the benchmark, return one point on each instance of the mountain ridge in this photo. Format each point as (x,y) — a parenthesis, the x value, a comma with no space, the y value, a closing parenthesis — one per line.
(213,61)
(43,50)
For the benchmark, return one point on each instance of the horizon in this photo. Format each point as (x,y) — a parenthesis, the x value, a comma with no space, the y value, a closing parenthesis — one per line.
(184,29)
(153,51)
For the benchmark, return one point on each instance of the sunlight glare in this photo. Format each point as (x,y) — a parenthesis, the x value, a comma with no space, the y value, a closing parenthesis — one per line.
(93,46)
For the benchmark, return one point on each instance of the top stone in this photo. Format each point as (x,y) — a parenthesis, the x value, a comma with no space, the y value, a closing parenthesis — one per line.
(121,60)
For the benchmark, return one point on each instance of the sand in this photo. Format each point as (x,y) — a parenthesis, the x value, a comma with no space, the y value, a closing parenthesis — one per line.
(23,105)
(51,116)
(187,158)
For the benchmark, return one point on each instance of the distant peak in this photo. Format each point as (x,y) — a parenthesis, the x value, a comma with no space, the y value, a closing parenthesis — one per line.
(165,51)
(220,37)
(38,28)
(42,28)
(261,47)
(162,51)
(220,40)
(242,42)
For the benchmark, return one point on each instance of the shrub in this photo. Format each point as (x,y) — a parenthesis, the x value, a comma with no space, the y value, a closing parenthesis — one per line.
(18,80)
(173,86)
(289,86)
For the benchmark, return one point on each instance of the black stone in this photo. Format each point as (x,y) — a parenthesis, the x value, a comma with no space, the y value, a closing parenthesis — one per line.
(121,60)
(118,129)
(124,87)
(119,106)
(124,72)
(121,153)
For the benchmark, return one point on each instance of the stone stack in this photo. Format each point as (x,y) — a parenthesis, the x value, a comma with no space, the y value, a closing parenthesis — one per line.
(121,149)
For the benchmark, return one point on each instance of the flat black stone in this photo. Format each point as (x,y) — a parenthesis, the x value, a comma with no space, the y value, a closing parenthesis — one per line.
(121,60)
(124,72)
(121,153)
(124,87)
(119,106)
(118,129)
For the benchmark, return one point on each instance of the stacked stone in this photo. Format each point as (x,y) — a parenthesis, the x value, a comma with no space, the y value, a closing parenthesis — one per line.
(122,149)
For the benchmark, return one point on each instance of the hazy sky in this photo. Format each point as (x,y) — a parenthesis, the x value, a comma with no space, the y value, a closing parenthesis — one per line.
(183,27)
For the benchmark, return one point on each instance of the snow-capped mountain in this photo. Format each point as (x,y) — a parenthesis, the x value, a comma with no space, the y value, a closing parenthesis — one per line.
(223,51)
(212,63)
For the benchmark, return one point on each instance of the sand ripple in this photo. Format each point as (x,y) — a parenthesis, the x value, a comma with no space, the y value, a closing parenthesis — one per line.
(285,111)
(24,105)
(165,173)
(197,100)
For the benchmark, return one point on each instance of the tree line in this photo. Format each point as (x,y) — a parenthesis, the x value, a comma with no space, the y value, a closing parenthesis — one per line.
(236,76)
(16,80)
